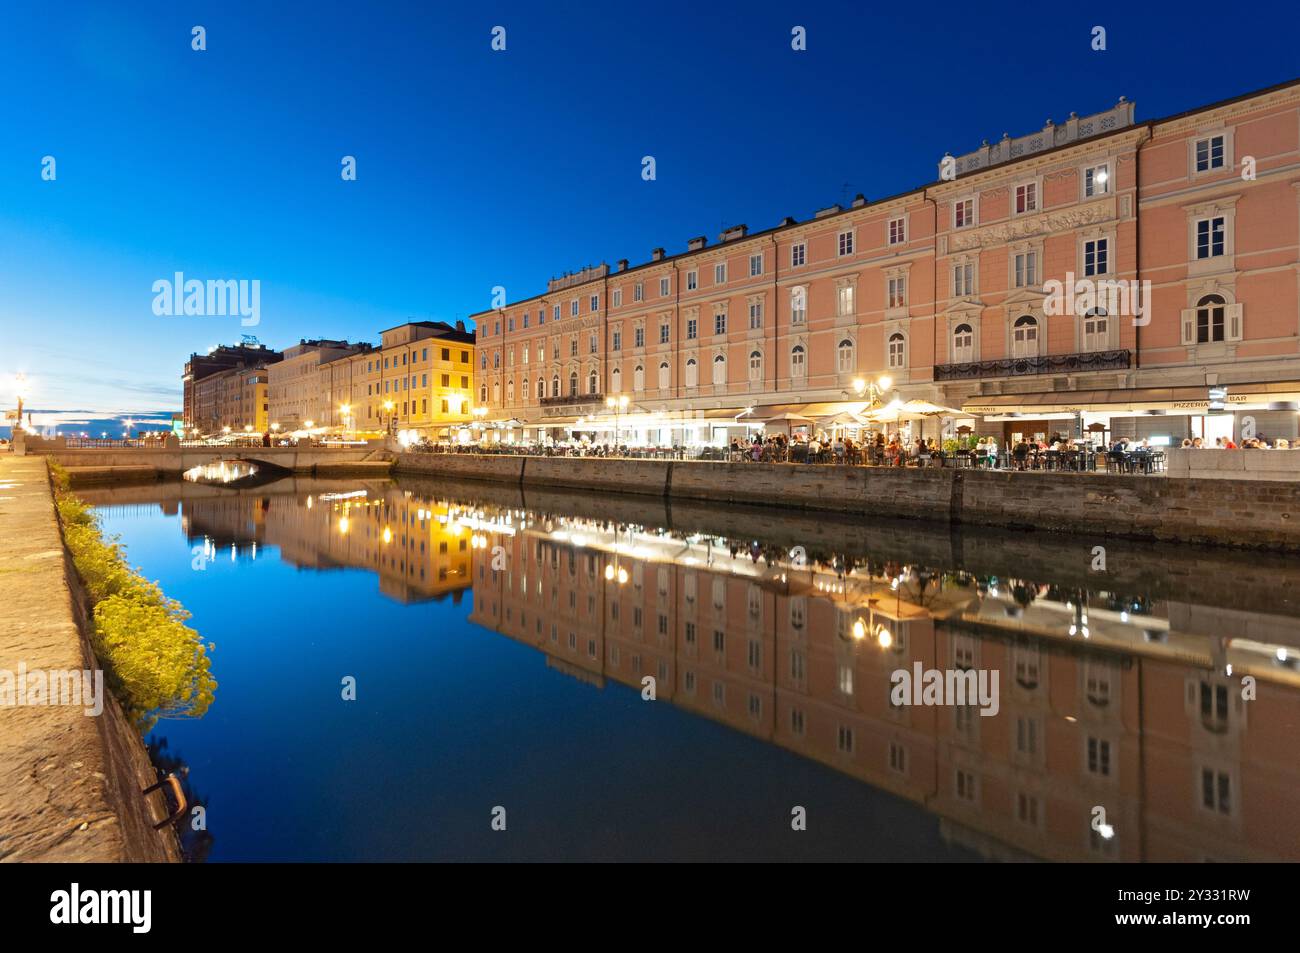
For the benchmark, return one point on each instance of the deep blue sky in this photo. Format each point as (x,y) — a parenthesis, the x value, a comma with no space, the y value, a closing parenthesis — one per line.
(478,168)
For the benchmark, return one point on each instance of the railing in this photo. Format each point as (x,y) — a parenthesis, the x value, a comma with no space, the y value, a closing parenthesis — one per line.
(109,443)
(573,399)
(1043,364)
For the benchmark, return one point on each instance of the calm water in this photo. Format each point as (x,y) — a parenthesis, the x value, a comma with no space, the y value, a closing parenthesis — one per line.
(500,643)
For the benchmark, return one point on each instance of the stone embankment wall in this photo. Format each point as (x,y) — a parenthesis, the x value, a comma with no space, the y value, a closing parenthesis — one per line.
(1262,514)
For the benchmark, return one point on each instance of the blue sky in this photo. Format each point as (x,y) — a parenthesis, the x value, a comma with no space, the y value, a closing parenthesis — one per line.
(478,168)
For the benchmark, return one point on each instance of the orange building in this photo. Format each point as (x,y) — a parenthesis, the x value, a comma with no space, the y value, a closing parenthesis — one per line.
(1182,235)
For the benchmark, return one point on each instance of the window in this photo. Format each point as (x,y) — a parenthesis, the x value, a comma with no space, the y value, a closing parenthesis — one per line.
(1096,256)
(663,333)
(965,785)
(963,213)
(1026,198)
(638,378)
(1096,181)
(618,297)
(593,383)
(897,231)
(798,254)
(1099,757)
(755,315)
(844,358)
(1024,337)
(573,384)
(664,375)
(1096,330)
(963,279)
(720,323)
(573,308)
(663,287)
(1209,237)
(573,346)
(616,341)
(963,344)
(798,365)
(897,757)
(798,305)
(638,337)
(755,367)
(555,313)
(591,343)
(692,373)
(1026,269)
(844,300)
(594,303)
(1209,154)
(638,292)
(897,356)
(846,243)
(720,273)
(897,295)
(616,380)
(719,371)
(1210,324)
(844,739)
(1216,791)
(555,386)
(510,390)
(755,265)
(692,328)
(692,280)
(1214,707)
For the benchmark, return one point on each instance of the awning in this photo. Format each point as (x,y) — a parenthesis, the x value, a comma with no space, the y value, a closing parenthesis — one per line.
(1192,400)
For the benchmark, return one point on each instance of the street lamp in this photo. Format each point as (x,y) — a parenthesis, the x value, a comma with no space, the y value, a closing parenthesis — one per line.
(388,406)
(617,403)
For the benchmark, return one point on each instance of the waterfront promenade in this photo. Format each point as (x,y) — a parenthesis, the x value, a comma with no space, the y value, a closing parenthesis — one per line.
(70,785)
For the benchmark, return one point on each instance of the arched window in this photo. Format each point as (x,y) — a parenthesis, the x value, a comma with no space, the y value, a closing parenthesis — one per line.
(1096,330)
(963,344)
(1024,337)
(593,383)
(755,367)
(1210,324)
(524,388)
(798,361)
(638,378)
(616,381)
(555,386)
(798,305)
(845,362)
(482,394)
(573,383)
(664,375)
(496,359)
(897,356)
(719,371)
(692,373)
(496,392)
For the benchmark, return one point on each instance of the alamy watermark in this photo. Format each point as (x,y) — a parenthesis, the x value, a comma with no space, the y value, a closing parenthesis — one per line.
(951,687)
(1105,296)
(72,688)
(231,296)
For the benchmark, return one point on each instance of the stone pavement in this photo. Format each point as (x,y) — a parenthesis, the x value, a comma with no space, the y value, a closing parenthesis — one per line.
(69,784)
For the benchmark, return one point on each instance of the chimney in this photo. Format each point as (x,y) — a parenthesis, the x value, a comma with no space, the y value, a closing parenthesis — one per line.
(695,244)
(829,210)
(859,200)
(731,234)
(460,325)
(788,220)
(656,254)
(622,264)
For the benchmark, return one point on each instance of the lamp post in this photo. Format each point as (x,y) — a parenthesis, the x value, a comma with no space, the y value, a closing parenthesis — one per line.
(617,403)
(346,411)
(389,406)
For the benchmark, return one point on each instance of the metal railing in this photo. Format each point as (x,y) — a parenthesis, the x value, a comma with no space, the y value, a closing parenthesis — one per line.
(1042,364)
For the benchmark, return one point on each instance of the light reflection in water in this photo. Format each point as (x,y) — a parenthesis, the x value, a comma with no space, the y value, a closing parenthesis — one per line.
(1122,690)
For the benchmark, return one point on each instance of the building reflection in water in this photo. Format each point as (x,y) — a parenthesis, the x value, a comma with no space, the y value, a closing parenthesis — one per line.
(1131,702)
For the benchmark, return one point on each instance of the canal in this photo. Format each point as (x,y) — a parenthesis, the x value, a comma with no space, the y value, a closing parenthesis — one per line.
(500,647)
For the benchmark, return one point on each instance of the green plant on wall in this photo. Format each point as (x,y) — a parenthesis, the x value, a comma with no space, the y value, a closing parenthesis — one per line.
(156,665)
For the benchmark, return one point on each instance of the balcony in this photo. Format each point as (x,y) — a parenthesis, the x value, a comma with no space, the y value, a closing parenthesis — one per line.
(573,400)
(1043,364)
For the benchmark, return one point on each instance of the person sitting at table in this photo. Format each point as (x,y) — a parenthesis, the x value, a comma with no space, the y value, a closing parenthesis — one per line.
(1020,453)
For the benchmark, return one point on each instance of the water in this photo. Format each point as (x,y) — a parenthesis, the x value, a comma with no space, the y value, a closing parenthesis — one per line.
(1121,730)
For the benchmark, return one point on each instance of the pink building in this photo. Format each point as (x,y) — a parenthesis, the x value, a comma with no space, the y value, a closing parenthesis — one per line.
(1100,273)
